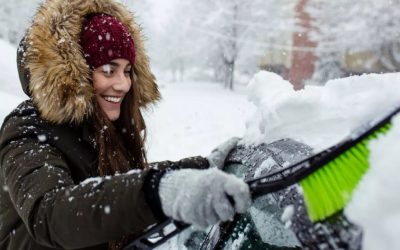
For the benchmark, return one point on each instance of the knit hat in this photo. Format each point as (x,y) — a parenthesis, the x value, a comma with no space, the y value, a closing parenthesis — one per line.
(104,39)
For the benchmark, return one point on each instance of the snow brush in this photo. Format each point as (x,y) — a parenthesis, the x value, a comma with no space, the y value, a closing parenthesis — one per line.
(328,179)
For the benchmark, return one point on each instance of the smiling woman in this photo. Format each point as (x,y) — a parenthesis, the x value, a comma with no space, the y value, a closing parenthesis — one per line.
(84,67)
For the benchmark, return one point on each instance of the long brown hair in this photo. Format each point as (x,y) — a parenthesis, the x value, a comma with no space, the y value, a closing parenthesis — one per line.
(121,143)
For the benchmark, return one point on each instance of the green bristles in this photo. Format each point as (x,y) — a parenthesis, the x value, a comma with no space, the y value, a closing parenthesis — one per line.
(329,189)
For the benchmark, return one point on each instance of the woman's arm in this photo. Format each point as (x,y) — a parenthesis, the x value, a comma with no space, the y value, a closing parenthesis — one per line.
(58,213)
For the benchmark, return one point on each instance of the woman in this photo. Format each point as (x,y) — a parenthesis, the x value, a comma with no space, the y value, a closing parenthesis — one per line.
(73,166)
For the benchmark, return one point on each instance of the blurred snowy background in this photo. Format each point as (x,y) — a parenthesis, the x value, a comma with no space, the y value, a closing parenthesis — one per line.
(205,54)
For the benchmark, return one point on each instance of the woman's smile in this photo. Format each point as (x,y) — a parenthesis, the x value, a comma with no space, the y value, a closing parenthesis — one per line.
(113,99)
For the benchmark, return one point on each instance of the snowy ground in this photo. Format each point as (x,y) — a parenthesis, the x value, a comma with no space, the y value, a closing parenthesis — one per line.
(195,117)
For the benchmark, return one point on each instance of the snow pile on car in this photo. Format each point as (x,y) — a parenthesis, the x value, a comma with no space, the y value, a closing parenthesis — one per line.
(321,116)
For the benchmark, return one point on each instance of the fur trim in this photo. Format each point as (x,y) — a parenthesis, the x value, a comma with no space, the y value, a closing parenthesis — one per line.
(60,79)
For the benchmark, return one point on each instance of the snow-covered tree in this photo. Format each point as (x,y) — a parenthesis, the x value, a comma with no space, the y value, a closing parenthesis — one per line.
(327,18)
(241,31)
(220,37)
(344,27)
(180,44)
(15,17)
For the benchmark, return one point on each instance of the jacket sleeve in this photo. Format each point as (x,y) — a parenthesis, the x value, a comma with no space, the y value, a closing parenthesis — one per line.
(197,162)
(60,214)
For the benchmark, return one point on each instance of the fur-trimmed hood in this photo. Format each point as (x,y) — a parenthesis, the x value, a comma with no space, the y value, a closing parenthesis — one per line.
(52,68)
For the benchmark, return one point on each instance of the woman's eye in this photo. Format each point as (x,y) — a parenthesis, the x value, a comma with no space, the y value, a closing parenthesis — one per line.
(107,70)
(127,72)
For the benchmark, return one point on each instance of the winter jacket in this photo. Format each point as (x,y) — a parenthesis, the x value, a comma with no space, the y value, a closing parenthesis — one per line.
(50,197)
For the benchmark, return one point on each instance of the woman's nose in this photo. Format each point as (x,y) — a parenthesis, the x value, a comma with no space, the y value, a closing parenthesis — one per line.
(122,83)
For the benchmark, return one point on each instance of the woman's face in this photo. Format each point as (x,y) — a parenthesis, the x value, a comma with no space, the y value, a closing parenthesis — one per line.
(111,83)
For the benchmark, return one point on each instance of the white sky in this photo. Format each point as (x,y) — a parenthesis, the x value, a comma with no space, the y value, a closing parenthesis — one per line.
(160,11)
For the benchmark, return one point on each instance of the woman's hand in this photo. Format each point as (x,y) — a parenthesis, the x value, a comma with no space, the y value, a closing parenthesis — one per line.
(203,197)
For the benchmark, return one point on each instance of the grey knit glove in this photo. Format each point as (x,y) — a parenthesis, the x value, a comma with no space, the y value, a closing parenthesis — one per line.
(200,197)
(217,157)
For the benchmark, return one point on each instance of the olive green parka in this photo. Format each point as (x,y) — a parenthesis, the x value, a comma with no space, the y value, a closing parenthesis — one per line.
(50,197)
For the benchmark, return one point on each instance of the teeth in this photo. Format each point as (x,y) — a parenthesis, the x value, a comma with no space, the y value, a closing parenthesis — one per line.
(112,99)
